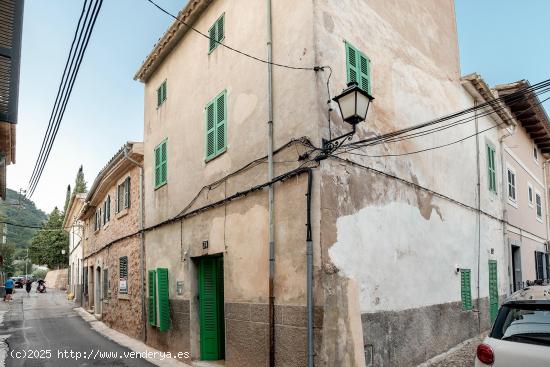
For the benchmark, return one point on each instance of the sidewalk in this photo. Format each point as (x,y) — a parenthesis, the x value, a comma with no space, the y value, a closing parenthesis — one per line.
(130,343)
(461,355)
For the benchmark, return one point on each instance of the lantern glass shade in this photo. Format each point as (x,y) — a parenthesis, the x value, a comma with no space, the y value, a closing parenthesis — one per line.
(354,104)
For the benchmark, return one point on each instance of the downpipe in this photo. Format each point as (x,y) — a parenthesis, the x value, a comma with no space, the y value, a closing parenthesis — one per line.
(271,225)
(309,282)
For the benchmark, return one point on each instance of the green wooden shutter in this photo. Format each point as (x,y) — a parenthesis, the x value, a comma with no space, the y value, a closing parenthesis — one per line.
(152,298)
(358,68)
(364,70)
(157,166)
(210,131)
(163,296)
(209,310)
(221,125)
(351,63)
(220,32)
(212,38)
(493,290)
(465,289)
(164,163)
(159,96)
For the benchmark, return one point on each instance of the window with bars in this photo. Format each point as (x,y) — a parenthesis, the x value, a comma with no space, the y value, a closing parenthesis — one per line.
(161,164)
(491,169)
(216,126)
(161,93)
(466,289)
(123,275)
(216,33)
(358,68)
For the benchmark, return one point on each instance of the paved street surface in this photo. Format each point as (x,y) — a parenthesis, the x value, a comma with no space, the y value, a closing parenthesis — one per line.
(43,330)
(462,356)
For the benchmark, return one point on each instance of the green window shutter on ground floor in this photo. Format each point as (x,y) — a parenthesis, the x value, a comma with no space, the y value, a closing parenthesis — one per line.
(163,299)
(466,289)
(152,298)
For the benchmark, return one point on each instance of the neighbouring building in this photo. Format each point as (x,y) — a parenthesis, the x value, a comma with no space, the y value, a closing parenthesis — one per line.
(408,236)
(112,252)
(11,27)
(526,154)
(74,226)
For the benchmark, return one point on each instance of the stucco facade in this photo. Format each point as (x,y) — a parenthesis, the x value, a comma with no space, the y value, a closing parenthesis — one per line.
(391,234)
(74,227)
(112,243)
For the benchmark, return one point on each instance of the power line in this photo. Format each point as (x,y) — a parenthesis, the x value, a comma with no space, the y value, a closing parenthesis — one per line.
(443,145)
(24,226)
(66,87)
(314,68)
(495,105)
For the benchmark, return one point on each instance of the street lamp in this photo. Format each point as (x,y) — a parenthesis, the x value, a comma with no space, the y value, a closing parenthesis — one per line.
(353,104)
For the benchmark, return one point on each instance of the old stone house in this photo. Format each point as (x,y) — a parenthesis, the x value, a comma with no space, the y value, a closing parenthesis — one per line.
(74,226)
(405,237)
(111,216)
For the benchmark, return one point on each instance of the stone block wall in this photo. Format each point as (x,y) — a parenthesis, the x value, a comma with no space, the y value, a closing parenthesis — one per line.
(177,338)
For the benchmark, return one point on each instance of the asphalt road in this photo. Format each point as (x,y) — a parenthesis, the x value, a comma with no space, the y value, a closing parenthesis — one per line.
(41,329)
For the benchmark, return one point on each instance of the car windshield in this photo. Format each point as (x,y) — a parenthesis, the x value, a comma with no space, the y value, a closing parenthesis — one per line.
(524,323)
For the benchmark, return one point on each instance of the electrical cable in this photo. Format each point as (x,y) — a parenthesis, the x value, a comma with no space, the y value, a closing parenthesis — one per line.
(521,94)
(398,138)
(443,145)
(58,110)
(60,87)
(314,68)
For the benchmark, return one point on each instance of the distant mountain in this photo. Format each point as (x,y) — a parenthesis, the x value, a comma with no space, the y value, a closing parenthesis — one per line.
(20,210)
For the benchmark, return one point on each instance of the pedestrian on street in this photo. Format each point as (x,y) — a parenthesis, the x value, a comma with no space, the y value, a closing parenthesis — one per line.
(9,289)
(28,287)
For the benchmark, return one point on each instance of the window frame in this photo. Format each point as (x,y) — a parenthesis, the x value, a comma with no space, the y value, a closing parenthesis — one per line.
(491,168)
(530,195)
(120,275)
(162,93)
(217,152)
(214,29)
(535,154)
(511,199)
(539,217)
(160,183)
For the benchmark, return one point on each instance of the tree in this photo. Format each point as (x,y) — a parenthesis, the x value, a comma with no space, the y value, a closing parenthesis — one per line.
(80,183)
(6,252)
(48,243)
(67,199)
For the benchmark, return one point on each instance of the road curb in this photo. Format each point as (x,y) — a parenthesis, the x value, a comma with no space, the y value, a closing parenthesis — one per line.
(126,341)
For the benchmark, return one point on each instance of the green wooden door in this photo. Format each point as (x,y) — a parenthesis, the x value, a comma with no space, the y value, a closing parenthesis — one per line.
(493,290)
(211,308)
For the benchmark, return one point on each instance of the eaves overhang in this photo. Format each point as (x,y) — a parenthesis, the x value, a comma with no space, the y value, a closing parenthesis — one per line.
(117,166)
(189,14)
(482,93)
(529,112)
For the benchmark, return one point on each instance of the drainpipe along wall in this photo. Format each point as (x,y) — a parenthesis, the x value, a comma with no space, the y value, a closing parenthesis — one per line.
(271,225)
(142,245)
(504,208)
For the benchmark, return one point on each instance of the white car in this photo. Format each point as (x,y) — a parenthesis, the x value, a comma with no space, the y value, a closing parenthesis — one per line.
(521,333)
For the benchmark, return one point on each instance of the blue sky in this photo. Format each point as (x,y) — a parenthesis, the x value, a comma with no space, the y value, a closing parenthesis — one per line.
(501,39)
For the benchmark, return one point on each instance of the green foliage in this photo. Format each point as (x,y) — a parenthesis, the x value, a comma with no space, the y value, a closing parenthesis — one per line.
(40,273)
(25,214)
(7,251)
(80,183)
(22,267)
(67,199)
(48,243)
